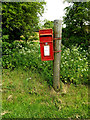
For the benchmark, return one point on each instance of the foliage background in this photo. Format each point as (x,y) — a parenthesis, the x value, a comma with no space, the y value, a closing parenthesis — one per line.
(20,18)
(77,20)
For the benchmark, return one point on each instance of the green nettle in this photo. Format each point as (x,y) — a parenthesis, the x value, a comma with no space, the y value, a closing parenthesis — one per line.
(74,63)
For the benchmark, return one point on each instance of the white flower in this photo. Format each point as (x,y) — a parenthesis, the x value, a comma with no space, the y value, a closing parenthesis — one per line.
(65,58)
(28,51)
(20,52)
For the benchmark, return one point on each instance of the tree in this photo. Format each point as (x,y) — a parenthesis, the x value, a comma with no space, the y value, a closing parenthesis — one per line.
(20,18)
(48,24)
(77,16)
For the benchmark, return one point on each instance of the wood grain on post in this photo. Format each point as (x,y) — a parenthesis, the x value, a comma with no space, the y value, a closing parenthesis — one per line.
(57,56)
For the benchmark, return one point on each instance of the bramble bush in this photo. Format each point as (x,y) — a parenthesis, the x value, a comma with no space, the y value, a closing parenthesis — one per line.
(74,62)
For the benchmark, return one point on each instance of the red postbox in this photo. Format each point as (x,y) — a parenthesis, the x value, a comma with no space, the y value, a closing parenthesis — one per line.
(46,44)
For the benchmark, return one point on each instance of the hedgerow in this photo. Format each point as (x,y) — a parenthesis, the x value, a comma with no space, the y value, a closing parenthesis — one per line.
(73,68)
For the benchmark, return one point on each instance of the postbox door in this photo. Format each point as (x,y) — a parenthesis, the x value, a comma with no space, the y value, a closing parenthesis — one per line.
(46,45)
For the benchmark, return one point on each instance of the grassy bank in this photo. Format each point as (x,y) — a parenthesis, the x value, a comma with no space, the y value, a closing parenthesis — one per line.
(26,94)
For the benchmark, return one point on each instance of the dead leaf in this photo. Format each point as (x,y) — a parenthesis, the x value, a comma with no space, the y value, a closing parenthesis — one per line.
(77,116)
(4,112)
(9,97)
(0,90)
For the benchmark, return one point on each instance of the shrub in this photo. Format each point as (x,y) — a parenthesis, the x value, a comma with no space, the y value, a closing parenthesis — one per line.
(5,38)
(82,41)
(74,63)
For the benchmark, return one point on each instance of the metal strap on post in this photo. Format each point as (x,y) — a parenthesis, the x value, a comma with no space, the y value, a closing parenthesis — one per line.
(58,51)
(57,38)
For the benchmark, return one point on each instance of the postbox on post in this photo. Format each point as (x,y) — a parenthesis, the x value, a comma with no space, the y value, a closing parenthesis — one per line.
(46,44)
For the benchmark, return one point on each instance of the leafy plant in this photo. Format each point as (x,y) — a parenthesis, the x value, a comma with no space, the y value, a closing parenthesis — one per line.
(74,62)
(5,38)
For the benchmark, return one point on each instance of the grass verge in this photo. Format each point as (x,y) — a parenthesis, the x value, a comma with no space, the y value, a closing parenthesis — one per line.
(26,94)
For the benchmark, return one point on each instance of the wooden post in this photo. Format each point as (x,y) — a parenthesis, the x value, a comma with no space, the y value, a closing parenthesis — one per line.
(57,56)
